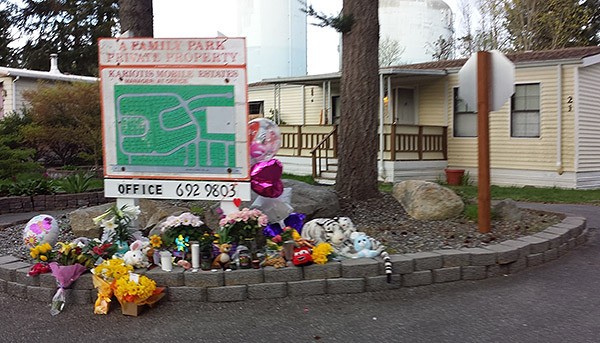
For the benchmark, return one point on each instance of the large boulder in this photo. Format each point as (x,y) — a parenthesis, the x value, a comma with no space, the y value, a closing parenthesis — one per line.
(81,220)
(312,200)
(151,212)
(424,200)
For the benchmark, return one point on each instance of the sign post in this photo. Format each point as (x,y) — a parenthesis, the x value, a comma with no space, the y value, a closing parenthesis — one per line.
(487,81)
(483,141)
(174,118)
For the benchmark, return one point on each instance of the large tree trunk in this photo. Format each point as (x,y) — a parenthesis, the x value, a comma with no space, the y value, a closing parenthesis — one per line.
(357,143)
(136,16)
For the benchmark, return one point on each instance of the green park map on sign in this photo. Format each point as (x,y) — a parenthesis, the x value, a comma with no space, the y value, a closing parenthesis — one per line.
(178,127)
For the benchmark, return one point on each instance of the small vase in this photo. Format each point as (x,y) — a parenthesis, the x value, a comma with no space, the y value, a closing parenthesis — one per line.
(205,260)
(288,250)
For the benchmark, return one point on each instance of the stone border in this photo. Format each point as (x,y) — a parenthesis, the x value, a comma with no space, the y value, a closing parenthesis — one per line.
(347,276)
(21,204)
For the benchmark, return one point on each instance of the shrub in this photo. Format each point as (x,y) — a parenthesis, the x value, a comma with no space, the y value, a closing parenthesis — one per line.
(30,187)
(76,183)
(65,123)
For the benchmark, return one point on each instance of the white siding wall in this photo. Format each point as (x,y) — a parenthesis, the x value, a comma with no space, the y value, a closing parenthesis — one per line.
(291,106)
(588,140)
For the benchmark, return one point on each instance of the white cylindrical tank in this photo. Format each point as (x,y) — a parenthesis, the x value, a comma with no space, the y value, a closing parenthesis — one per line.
(275,32)
(416,25)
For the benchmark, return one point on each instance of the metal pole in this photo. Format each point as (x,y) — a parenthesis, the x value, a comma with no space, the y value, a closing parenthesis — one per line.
(483,140)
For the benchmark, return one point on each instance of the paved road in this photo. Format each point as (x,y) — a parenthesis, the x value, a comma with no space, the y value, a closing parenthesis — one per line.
(555,302)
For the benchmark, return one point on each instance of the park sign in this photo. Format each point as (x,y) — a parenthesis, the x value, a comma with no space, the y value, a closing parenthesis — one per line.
(174,117)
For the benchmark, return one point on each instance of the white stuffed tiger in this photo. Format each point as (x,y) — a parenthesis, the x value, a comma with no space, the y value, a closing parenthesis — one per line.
(335,231)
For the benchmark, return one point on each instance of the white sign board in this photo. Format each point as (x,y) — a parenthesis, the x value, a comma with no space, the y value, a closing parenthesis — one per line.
(502,72)
(175,108)
(176,189)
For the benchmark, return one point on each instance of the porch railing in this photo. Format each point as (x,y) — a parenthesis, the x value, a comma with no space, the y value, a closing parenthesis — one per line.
(323,153)
(400,142)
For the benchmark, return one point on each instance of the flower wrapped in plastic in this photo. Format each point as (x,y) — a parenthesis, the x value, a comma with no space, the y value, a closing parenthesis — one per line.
(65,276)
(244,224)
(136,290)
(103,276)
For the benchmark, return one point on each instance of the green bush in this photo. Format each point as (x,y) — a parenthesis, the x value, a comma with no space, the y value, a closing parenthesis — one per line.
(15,156)
(76,183)
(29,187)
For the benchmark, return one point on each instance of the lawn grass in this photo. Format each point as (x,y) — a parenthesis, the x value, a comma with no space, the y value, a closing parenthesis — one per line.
(527,193)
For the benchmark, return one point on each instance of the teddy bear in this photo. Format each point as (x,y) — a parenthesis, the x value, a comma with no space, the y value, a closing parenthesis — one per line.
(363,245)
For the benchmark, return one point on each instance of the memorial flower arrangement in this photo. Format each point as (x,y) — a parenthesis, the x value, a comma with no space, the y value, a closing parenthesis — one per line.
(131,290)
(321,252)
(117,223)
(244,224)
(42,252)
(134,290)
(177,232)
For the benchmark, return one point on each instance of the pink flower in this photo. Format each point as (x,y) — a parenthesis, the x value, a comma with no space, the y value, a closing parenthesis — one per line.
(276,239)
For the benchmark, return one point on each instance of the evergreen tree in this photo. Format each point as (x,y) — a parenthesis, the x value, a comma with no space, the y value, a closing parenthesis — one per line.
(359,89)
(70,28)
(7,54)
(136,17)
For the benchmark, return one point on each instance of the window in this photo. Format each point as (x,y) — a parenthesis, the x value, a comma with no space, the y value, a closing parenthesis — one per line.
(465,118)
(256,109)
(525,111)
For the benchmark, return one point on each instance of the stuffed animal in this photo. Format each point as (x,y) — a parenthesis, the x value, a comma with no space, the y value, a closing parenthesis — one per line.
(302,256)
(223,260)
(136,257)
(334,231)
(364,246)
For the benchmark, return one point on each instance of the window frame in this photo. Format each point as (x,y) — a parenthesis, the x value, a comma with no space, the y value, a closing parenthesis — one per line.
(456,112)
(261,104)
(514,112)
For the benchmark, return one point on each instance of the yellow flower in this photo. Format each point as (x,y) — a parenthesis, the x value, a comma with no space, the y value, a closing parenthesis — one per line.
(156,241)
(295,235)
(43,258)
(132,291)
(320,253)
(34,252)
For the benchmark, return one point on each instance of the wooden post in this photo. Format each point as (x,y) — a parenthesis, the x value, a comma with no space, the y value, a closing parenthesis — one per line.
(483,140)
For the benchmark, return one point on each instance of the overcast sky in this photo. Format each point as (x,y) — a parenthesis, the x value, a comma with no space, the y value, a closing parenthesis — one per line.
(203,18)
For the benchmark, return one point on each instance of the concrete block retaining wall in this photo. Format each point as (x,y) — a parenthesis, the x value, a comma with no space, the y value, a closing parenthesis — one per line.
(348,276)
(20,204)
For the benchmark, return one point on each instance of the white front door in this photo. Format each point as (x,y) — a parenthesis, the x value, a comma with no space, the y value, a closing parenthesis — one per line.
(405,106)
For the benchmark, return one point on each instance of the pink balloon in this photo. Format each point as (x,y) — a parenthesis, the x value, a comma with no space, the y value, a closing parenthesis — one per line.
(265,139)
(265,178)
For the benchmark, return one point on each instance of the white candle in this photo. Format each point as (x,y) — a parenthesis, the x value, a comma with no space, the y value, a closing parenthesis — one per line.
(166,262)
(195,256)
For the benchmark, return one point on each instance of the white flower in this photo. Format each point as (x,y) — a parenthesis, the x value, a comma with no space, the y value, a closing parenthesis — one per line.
(132,212)
(109,224)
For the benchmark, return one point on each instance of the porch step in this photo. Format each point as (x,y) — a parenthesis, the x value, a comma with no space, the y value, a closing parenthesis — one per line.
(328,174)
(327,182)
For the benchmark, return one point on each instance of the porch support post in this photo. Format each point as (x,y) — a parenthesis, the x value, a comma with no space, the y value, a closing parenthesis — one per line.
(381,137)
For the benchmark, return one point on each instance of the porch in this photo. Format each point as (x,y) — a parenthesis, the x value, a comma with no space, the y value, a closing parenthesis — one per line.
(405,151)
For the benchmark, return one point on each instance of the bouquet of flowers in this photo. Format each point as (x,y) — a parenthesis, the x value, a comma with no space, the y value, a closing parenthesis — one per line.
(102,277)
(119,225)
(42,252)
(178,231)
(65,275)
(244,224)
(135,290)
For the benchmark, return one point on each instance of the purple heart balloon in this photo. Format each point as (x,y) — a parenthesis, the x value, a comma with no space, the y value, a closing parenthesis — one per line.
(265,178)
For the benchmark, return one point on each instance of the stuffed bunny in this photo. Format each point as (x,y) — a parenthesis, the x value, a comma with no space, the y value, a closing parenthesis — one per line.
(135,256)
